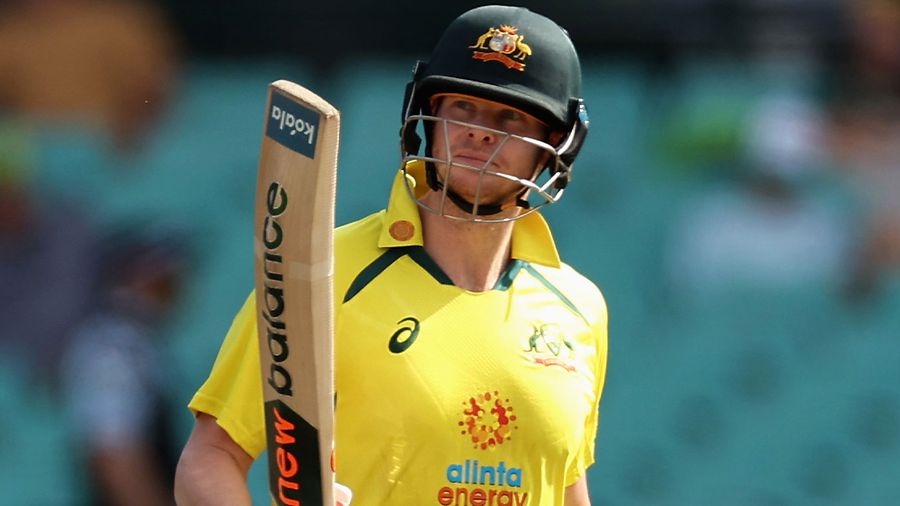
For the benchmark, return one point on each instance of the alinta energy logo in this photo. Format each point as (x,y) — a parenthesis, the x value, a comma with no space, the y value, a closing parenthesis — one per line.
(480,484)
(488,420)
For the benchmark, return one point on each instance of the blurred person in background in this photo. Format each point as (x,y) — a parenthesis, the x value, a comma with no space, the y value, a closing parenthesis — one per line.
(864,135)
(114,382)
(47,259)
(100,63)
(764,231)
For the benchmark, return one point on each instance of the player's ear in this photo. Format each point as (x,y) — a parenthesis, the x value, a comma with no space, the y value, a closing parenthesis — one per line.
(435,102)
(555,138)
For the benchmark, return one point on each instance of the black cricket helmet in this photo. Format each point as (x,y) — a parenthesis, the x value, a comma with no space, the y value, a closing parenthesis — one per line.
(512,56)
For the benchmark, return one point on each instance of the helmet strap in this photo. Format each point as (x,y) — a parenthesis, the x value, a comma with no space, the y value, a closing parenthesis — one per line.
(483,209)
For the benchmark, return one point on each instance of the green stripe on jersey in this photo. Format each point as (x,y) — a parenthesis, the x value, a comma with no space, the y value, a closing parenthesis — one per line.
(540,277)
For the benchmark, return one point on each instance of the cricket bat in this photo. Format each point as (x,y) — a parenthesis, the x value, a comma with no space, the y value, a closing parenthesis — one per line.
(293,250)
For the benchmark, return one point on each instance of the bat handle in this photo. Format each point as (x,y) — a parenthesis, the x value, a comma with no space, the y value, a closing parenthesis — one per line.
(342,495)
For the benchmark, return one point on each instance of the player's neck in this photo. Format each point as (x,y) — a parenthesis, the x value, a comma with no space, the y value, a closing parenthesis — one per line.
(473,255)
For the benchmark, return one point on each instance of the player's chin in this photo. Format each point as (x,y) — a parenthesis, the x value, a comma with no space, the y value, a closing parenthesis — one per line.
(486,189)
(504,199)
(487,182)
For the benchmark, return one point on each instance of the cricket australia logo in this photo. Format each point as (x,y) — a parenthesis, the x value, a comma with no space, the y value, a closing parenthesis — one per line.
(548,346)
(504,45)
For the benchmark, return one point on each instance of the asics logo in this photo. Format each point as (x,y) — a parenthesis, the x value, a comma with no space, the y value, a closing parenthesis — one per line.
(405,336)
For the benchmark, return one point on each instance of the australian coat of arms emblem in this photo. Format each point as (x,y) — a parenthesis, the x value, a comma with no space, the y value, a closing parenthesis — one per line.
(504,45)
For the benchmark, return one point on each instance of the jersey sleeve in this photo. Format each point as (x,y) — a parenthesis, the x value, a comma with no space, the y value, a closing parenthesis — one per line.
(585,457)
(233,391)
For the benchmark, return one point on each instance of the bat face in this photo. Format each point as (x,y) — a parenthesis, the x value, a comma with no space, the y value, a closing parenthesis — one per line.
(294,264)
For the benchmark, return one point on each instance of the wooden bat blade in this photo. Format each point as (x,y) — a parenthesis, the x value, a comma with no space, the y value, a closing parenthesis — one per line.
(293,252)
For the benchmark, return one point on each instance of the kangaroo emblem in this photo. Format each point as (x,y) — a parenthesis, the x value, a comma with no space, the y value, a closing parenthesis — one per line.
(503,44)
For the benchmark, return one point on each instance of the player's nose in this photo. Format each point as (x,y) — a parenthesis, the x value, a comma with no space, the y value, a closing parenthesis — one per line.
(482,134)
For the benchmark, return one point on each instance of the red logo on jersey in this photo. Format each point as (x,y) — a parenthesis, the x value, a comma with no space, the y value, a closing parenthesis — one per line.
(488,420)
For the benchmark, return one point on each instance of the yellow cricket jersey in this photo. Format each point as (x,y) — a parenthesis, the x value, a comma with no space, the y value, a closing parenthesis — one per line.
(444,396)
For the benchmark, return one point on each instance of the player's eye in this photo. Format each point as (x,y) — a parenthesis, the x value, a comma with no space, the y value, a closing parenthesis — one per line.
(511,115)
(464,105)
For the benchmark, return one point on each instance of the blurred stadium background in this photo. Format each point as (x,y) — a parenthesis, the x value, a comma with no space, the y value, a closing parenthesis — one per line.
(738,202)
